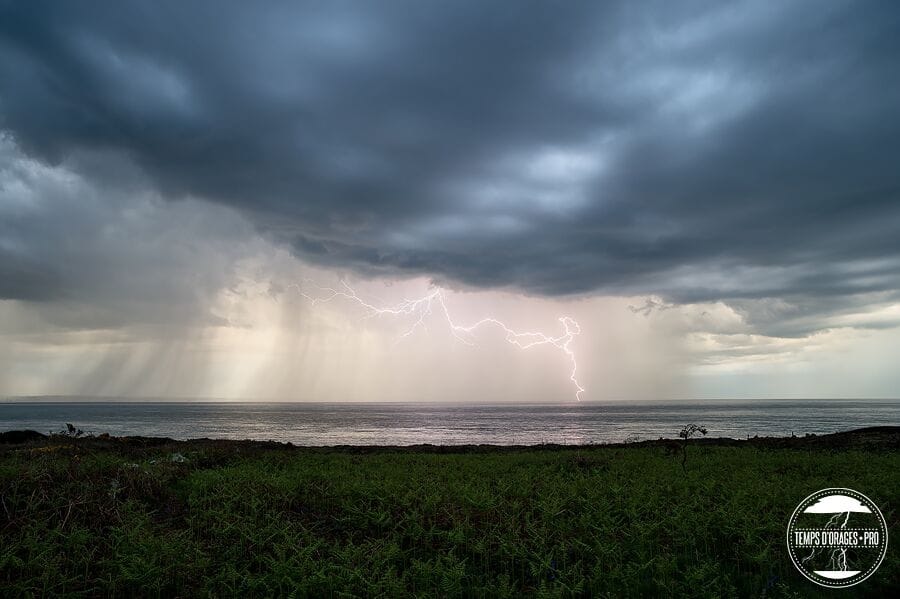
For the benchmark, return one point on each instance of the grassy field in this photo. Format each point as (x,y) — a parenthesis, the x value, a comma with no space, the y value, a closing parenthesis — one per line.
(151,518)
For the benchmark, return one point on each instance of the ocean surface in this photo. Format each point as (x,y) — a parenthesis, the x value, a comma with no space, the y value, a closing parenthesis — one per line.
(445,424)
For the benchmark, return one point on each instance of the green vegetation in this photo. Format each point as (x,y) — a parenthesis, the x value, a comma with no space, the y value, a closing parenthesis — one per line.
(105,517)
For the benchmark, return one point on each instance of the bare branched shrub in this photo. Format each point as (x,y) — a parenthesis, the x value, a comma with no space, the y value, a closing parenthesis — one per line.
(691,430)
(72,431)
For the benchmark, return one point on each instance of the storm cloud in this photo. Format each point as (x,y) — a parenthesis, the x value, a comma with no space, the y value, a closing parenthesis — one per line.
(698,151)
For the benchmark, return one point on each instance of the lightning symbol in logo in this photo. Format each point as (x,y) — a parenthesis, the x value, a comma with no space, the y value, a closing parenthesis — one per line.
(434,301)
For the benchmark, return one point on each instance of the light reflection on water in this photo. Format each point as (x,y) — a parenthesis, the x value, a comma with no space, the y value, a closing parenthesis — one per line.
(443,424)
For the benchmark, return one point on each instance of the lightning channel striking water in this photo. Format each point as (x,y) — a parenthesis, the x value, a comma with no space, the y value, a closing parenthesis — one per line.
(434,301)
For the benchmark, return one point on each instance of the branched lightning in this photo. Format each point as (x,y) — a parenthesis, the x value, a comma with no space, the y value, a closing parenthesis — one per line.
(839,555)
(434,301)
(838,560)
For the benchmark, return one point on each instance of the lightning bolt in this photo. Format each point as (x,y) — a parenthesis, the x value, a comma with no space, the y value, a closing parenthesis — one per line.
(839,556)
(838,559)
(435,302)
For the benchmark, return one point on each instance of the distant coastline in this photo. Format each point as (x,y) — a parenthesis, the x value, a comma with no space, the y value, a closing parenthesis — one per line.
(869,438)
(113,399)
(405,424)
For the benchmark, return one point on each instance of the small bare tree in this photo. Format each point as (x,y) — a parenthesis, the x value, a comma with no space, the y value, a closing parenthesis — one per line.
(72,430)
(686,433)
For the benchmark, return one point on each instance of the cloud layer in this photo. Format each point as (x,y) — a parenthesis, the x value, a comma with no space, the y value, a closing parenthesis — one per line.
(835,504)
(699,151)
(728,170)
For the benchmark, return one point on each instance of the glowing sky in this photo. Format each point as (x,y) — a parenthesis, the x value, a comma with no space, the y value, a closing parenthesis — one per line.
(710,189)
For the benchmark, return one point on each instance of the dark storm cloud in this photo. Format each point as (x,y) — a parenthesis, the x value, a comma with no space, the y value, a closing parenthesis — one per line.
(697,150)
(88,256)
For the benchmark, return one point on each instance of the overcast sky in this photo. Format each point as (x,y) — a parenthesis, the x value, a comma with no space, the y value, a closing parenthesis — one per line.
(711,189)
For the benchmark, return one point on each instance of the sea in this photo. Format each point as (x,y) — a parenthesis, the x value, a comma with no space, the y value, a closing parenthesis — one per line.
(322,424)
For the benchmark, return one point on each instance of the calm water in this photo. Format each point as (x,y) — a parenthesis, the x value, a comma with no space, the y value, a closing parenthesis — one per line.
(407,424)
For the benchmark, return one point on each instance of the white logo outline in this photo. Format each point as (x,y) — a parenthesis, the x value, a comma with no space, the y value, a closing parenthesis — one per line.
(842,494)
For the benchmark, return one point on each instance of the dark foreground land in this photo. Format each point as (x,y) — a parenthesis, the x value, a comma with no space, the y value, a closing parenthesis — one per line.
(154,517)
